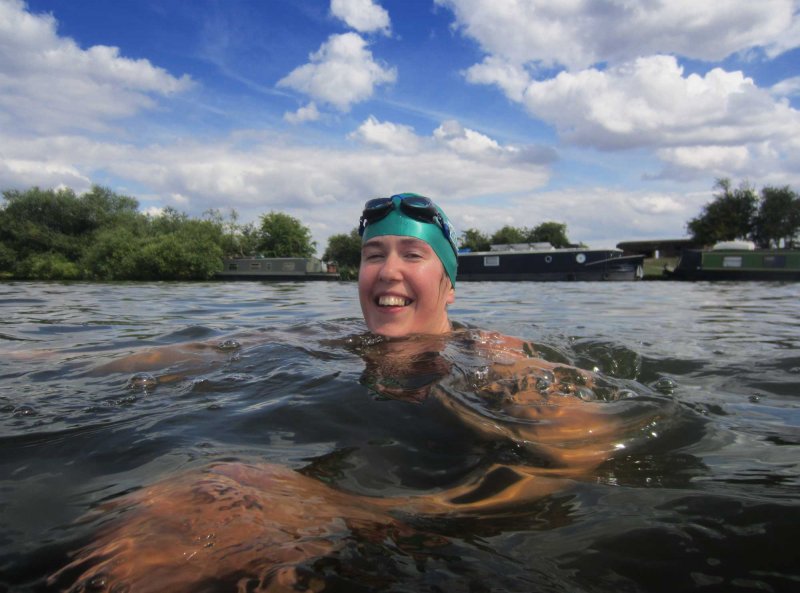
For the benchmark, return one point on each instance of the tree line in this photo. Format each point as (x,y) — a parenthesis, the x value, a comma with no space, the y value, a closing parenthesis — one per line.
(54,234)
(770,218)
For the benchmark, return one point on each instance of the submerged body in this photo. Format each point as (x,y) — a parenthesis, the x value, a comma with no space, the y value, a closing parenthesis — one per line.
(268,527)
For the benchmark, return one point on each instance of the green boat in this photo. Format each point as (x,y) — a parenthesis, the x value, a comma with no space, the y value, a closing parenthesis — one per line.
(737,261)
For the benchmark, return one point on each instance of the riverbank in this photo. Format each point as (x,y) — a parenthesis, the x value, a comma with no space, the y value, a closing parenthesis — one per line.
(654,267)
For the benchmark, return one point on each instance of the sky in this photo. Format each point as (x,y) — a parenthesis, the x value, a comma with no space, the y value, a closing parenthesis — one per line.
(614,117)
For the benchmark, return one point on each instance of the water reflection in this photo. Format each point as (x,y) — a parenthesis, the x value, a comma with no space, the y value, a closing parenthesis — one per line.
(458,467)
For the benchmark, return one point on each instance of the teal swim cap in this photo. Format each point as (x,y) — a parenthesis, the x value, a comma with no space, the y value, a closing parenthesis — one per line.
(414,218)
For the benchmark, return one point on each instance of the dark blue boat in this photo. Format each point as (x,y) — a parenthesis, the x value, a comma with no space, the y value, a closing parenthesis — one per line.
(542,263)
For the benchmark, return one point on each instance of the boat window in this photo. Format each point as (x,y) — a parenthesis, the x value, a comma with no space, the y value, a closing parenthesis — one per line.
(774,261)
(255,265)
(233,267)
(732,261)
(491,261)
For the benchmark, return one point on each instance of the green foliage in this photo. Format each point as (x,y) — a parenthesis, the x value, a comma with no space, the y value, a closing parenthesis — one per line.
(8,259)
(474,240)
(192,252)
(344,250)
(54,234)
(778,217)
(554,233)
(114,255)
(769,219)
(509,234)
(282,235)
(729,216)
(48,266)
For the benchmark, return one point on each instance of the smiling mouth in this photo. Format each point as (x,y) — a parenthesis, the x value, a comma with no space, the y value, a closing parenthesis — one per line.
(393,301)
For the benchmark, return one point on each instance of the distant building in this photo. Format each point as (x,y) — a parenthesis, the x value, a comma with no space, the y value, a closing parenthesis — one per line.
(658,247)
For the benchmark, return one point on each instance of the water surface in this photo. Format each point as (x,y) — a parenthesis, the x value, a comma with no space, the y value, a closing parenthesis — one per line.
(704,499)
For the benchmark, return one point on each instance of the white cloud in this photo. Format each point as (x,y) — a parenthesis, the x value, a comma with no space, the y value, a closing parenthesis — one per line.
(577,34)
(465,141)
(511,78)
(304,114)
(707,159)
(48,82)
(340,73)
(23,173)
(654,204)
(638,96)
(387,135)
(154,211)
(322,186)
(771,163)
(453,138)
(180,199)
(787,88)
(624,215)
(649,102)
(362,15)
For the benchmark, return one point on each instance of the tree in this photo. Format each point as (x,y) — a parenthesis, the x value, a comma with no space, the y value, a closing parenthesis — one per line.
(554,233)
(191,252)
(114,255)
(282,235)
(168,221)
(729,216)
(778,217)
(102,207)
(474,240)
(509,234)
(42,221)
(238,240)
(48,266)
(344,250)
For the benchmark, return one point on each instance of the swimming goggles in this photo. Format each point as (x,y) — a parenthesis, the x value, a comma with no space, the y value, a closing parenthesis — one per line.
(417,207)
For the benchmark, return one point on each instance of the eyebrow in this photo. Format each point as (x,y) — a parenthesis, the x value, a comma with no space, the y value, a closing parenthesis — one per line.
(376,241)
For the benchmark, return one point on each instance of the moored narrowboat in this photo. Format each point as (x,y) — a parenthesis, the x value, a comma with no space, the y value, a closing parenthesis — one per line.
(542,263)
(276,268)
(737,261)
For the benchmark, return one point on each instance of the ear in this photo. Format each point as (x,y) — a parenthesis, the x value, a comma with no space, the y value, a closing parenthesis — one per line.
(451,294)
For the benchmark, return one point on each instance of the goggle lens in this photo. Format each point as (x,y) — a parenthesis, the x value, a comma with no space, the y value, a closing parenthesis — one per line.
(417,207)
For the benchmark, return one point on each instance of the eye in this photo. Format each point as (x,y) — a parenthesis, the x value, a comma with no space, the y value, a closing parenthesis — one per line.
(372,256)
(413,255)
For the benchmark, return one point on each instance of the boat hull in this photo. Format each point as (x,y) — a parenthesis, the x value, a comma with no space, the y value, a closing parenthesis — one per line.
(567,265)
(277,269)
(278,277)
(738,265)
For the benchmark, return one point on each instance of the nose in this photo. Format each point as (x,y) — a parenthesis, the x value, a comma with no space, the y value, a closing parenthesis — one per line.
(390,270)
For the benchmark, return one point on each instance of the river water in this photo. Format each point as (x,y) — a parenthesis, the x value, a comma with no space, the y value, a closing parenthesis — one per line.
(705,498)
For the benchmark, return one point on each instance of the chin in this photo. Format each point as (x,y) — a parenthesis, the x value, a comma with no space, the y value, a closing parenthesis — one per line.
(387,330)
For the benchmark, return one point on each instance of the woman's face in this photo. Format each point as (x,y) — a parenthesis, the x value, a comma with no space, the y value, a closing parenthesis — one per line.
(403,288)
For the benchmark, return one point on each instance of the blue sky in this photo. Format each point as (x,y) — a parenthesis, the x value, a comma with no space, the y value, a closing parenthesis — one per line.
(612,116)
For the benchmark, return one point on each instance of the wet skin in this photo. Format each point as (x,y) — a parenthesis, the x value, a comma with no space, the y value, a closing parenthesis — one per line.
(402,287)
(264,524)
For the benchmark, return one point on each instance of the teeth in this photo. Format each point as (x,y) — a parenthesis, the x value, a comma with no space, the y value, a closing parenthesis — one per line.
(392,301)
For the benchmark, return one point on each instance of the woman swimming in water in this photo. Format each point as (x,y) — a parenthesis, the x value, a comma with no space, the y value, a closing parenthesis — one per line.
(264,526)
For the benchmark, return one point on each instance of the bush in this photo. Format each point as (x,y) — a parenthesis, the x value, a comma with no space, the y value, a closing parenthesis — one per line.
(48,266)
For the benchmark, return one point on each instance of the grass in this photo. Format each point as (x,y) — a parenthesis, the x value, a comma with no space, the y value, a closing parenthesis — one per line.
(654,268)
